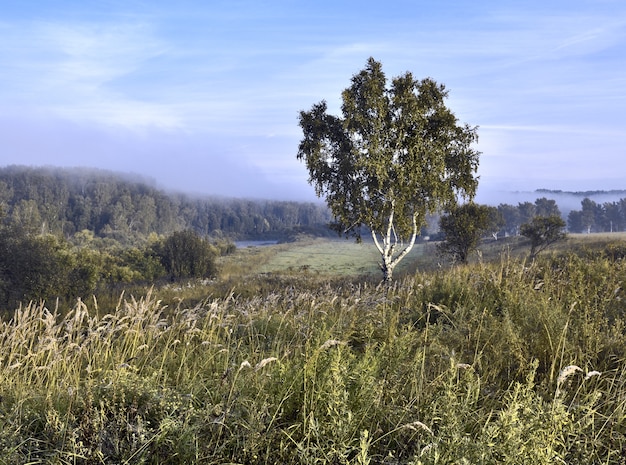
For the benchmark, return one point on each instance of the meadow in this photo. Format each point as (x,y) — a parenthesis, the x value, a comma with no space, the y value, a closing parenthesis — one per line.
(338,257)
(297,355)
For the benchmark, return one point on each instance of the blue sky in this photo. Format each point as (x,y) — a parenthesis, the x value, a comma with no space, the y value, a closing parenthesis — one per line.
(203,96)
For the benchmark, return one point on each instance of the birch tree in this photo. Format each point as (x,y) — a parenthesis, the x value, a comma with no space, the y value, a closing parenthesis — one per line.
(396,154)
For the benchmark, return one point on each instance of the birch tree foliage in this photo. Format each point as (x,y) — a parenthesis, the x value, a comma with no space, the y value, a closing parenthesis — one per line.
(396,154)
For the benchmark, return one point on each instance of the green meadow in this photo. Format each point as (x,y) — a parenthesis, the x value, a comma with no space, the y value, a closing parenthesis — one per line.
(297,355)
(340,257)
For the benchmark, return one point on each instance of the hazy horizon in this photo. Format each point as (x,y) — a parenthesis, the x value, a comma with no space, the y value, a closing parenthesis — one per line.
(567,200)
(204,97)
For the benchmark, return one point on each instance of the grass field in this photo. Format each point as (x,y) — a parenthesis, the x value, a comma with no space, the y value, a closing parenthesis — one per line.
(340,257)
(298,359)
(327,257)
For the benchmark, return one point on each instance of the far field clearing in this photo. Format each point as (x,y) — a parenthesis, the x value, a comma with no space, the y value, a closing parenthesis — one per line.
(338,257)
(344,257)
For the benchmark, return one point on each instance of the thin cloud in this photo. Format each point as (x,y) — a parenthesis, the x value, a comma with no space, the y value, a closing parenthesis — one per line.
(72,70)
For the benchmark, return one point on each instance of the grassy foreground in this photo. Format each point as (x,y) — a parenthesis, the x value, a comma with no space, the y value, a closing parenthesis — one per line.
(507,362)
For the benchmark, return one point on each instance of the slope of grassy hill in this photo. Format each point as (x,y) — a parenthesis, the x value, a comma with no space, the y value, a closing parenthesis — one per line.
(500,361)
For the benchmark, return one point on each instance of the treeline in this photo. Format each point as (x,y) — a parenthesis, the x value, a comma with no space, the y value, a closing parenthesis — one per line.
(598,217)
(592,217)
(583,194)
(123,209)
(64,201)
(514,216)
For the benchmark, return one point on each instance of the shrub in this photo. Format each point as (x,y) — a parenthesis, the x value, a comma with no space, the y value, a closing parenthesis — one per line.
(185,254)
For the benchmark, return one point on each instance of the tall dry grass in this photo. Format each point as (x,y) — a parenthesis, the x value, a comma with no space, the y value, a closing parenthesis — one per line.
(508,362)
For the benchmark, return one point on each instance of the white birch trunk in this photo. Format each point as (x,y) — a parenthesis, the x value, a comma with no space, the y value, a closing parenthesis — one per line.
(388,246)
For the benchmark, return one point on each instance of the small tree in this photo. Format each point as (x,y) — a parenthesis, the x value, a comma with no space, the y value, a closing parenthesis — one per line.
(185,254)
(397,154)
(464,226)
(575,221)
(543,231)
(588,214)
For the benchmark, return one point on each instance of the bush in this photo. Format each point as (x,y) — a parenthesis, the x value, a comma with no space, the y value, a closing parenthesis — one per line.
(185,254)
(543,231)
(40,267)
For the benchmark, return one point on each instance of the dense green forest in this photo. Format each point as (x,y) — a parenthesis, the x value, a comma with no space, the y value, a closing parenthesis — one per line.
(127,209)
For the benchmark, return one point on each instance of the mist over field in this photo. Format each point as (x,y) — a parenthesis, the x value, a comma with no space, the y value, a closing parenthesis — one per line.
(567,201)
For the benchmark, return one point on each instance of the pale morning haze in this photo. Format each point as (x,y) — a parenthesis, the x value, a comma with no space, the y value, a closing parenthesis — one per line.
(204,96)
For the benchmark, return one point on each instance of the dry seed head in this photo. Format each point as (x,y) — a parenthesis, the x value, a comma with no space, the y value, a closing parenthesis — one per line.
(331,343)
(427,448)
(591,374)
(264,362)
(566,373)
(417,425)
(463,366)
(245,364)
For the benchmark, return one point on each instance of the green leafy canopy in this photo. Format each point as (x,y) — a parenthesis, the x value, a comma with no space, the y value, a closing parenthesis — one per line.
(396,152)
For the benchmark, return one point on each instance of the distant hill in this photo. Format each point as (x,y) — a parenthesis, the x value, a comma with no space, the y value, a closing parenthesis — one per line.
(128,207)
